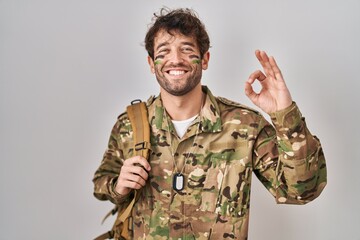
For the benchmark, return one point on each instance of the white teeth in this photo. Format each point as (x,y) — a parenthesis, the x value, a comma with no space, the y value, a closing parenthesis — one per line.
(176,72)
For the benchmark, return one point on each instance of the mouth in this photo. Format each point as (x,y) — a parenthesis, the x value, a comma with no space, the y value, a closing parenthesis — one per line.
(176,73)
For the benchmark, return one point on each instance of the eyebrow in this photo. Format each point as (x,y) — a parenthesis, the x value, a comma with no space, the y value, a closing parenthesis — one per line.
(166,43)
(161,45)
(188,43)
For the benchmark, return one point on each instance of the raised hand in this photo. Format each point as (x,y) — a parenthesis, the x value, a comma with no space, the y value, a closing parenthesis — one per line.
(274,95)
(132,175)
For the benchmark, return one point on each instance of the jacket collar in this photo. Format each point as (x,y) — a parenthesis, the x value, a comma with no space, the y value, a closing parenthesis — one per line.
(209,118)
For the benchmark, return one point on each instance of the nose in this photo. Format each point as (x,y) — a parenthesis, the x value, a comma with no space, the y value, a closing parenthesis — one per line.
(176,57)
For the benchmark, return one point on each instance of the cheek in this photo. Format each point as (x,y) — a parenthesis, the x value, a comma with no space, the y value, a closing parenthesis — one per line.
(196,61)
(196,67)
(158,65)
(158,70)
(157,62)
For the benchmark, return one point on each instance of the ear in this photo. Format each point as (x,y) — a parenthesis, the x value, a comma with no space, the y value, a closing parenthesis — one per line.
(151,64)
(205,61)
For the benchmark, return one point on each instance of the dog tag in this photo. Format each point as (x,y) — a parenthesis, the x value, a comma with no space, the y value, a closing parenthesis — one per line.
(178,182)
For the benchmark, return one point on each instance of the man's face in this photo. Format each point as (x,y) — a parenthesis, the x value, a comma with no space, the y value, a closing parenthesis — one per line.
(177,63)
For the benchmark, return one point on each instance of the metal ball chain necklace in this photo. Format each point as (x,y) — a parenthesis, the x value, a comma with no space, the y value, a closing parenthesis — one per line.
(178,177)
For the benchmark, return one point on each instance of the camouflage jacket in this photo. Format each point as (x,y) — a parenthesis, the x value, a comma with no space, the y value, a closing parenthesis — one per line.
(233,142)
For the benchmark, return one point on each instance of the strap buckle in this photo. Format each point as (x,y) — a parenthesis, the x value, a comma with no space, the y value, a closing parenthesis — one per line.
(140,146)
(133,102)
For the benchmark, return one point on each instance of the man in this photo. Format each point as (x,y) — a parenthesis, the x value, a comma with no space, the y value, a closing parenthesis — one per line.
(204,149)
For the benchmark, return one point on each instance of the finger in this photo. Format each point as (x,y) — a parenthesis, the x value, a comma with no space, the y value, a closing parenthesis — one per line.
(134,170)
(264,61)
(131,184)
(276,69)
(136,179)
(268,68)
(250,93)
(124,186)
(138,160)
(129,180)
(259,75)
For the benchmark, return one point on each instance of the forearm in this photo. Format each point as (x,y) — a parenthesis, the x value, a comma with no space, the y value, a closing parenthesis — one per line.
(107,174)
(301,169)
(289,160)
(104,189)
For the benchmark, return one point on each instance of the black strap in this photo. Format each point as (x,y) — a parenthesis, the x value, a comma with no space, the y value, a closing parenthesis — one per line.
(107,235)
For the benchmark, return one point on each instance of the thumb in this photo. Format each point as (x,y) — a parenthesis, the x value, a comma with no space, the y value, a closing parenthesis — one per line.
(249,91)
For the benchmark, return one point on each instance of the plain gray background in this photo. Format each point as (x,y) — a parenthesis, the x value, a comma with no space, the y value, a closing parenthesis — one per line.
(68,68)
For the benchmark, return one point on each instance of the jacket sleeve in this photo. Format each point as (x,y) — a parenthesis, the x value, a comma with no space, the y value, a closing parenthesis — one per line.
(288,160)
(108,172)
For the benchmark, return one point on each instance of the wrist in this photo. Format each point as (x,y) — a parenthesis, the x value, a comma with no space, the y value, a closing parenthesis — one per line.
(115,196)
(287,118)
(284,106)
(119,190)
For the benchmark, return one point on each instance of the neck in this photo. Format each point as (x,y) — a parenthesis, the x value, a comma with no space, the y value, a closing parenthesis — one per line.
(183,107)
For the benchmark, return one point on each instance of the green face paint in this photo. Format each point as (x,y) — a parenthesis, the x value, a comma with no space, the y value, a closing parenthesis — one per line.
(196,61)
(157,62)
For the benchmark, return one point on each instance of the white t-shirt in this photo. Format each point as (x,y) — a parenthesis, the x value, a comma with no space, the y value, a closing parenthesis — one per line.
(182,126)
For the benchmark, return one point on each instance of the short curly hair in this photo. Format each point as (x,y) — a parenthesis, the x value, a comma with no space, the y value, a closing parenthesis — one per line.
(182,20)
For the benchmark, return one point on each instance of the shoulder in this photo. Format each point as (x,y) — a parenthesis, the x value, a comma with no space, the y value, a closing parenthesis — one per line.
(226,103)
(233,114)
(150,100)
(124,116)
(122,126)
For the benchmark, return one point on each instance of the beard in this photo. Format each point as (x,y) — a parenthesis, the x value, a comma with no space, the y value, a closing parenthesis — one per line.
(181,86)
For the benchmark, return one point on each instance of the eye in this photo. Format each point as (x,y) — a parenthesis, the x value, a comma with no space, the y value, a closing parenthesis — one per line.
(161,53)
(157,57)
(187,50)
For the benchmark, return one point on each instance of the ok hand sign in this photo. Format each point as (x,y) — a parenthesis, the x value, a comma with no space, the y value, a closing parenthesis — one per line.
(274,95)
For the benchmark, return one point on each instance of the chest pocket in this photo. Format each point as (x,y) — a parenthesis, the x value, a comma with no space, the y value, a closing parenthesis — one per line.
(226,188)
(212,184)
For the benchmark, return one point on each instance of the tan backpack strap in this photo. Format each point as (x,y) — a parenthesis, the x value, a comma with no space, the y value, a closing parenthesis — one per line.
(137,113)
(127,211)
(138,116)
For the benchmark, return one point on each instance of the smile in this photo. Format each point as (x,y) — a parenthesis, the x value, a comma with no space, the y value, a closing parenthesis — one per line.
(176,72)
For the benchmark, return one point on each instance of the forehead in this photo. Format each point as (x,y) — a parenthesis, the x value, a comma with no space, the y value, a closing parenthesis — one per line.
(163,38)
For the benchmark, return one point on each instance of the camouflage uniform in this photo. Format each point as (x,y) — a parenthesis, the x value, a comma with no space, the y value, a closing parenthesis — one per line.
(233,142)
